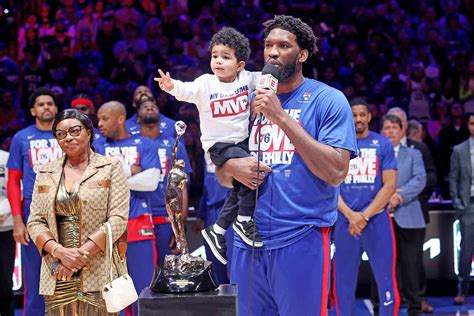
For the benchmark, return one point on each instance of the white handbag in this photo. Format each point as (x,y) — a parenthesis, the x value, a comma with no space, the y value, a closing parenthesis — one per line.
(121,292)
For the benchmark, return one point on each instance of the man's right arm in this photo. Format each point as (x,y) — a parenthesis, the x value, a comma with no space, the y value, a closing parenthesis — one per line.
(15,173)
(357,221)
(20,234)
(344,208)
(243,170)
(14,191)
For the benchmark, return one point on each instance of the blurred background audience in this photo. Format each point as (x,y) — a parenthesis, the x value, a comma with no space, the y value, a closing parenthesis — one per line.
(415,55)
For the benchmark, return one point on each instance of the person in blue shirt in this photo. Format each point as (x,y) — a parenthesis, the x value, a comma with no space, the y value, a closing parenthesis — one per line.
(141,94)
(149,117)
(306,138)
(142,168)
(32,147)
(364,223)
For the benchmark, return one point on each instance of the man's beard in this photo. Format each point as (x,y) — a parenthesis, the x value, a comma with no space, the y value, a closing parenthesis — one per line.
(361,130)
(286,71)
(149,119)
(46,119)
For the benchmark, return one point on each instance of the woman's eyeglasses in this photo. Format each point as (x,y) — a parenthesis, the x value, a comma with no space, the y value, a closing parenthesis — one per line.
(73,131)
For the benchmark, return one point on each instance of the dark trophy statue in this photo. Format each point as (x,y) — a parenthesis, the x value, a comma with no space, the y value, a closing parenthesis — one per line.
(181,272)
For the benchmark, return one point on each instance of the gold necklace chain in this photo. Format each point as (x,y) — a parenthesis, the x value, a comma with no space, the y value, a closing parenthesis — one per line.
(68,163)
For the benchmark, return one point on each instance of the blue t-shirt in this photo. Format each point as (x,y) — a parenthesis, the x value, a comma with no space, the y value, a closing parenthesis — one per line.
(214,194)
(166,126)
(162,146)
(31,148)
(292,200)
(98,136)
(138,151)
(364,179)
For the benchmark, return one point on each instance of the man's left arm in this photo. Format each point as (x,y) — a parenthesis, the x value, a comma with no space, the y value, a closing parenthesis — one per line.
(326,162)
(388,165)
(389,180)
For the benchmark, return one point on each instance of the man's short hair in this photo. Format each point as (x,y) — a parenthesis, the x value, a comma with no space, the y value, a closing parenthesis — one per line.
(393,119)
(38,92)
(413,126)
(232,38)
(359,101)
(399,110)
(303,32)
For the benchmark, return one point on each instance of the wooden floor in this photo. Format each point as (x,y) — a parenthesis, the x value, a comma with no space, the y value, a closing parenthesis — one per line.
(441,305)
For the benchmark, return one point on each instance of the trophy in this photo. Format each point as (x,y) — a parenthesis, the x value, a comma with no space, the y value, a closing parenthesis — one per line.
(182,272)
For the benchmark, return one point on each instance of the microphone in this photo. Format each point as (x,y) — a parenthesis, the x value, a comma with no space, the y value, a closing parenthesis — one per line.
(268,80)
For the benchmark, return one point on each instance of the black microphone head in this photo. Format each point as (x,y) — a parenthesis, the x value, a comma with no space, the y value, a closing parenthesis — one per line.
(268,80)
(270,69)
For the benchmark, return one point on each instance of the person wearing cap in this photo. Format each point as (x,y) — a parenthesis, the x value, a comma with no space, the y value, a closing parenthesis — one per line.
(83,103)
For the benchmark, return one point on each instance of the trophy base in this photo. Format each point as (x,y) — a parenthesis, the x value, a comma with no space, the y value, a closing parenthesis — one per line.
(221,302)
(168,282)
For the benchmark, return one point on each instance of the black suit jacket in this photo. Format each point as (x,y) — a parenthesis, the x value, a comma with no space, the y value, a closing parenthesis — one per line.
(431,177)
